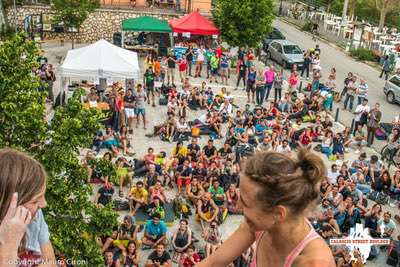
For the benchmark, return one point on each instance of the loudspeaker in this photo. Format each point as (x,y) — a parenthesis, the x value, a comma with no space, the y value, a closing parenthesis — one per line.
(117,39)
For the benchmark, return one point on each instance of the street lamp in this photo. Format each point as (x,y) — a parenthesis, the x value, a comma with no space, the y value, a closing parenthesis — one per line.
(280,8)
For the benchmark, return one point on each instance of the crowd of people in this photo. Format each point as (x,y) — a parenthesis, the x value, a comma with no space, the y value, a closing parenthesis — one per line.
(206,179)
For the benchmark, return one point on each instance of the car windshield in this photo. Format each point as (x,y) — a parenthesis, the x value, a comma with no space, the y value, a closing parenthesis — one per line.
(276,35)
(292,49)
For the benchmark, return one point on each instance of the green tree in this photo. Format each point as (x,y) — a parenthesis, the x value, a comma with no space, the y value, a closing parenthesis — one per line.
(72,13)
(385,7)
(74,221)
(243,22)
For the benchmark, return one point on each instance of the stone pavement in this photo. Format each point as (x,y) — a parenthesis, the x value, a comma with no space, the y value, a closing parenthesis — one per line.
(157,115)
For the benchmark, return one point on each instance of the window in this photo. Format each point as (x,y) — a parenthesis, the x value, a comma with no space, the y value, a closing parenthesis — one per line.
(395,80)
(277,47)
(292,49)
(276,35)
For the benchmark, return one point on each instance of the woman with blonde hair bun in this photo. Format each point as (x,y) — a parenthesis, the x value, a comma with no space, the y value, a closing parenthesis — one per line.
(276,194)
(24,233)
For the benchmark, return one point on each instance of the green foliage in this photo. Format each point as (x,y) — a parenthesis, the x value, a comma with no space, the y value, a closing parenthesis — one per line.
(243,22)
(7,32)
(73,12)
(363,54)
(22,106)
(307,27)
(106,168)
(74,221)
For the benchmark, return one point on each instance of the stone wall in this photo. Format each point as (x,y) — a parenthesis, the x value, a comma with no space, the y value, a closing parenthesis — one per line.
(99,25)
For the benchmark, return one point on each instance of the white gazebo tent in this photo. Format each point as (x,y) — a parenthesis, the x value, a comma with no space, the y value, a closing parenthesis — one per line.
(101,60)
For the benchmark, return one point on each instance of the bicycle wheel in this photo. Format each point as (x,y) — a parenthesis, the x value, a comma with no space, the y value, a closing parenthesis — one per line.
(384,152)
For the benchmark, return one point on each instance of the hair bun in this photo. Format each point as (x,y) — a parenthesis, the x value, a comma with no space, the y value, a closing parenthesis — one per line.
(312,166)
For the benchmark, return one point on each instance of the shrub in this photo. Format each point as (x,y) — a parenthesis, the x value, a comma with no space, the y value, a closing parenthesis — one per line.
(307,27)
(363,54)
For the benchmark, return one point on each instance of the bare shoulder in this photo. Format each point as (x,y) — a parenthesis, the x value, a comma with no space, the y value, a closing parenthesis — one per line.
(316,254)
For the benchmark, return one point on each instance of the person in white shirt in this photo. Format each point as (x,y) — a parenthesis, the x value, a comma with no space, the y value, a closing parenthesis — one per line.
(200,60)
(361,112)
(226,109)
(333,173)
(284,147)
(362,91)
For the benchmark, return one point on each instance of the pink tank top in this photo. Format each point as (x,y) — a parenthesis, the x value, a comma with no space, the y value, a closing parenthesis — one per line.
(294,253)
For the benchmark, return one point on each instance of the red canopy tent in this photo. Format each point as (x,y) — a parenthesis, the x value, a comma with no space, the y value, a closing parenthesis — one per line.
(195,24)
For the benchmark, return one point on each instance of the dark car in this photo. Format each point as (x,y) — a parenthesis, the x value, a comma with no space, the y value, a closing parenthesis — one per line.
(274,35)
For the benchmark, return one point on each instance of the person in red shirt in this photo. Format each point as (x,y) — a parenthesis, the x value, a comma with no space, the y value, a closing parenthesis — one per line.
(182,64)
(189,258)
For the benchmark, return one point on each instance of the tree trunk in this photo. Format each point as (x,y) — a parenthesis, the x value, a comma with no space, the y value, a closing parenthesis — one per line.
(382,18)
(72,39)
(2,16)
(353,4)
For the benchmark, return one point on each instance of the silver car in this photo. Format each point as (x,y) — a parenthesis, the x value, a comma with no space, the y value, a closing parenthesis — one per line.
(392,89)
(285,53)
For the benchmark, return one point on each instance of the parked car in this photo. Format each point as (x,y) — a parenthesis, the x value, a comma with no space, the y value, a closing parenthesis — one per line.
(392,89)
(285,53)
(275,34)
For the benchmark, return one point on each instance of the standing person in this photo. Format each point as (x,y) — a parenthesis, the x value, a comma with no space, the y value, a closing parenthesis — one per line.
(129,108)
(278,82)
(293,80)
(306,65)
(251,81)
(260,88)
(140,105)
(269,75)
(275,193)
(209,54)
(148,82)
(374,117)
(241,72)
(50,79)
(346,82)
(224,69)
(385,68)
(351,91)
(362,91)
(214,63)
(189,58)
(182,66)
(361,112)
(200,60)
(23,188)
(171,69)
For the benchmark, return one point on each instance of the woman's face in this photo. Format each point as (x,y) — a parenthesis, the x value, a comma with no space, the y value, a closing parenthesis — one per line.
(37,202)
(132,247)
(254,215)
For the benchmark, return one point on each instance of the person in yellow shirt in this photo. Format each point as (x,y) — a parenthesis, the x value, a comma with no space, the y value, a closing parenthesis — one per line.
(138,197)
(180,152)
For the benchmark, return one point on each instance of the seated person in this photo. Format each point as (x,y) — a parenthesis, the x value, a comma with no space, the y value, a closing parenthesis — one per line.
(217,193)
(212,238)
(359,138)
(156,208)
(155,233)
(209,152)
(225,151)
(159,257)
(371,219)
(326,214)
(265,145)
(207,210)
(132,257)
(199,172)
(123,170)
(193,149)
(137,197)
(181,239)
(151,177)
(182,128)
(180,152)
(109,141)
(386,226)
(183,176)
(194,191)
(190,258)
(126,233)
(232,197)
(104,195)
(92,97)
(109,260)
(157,191)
